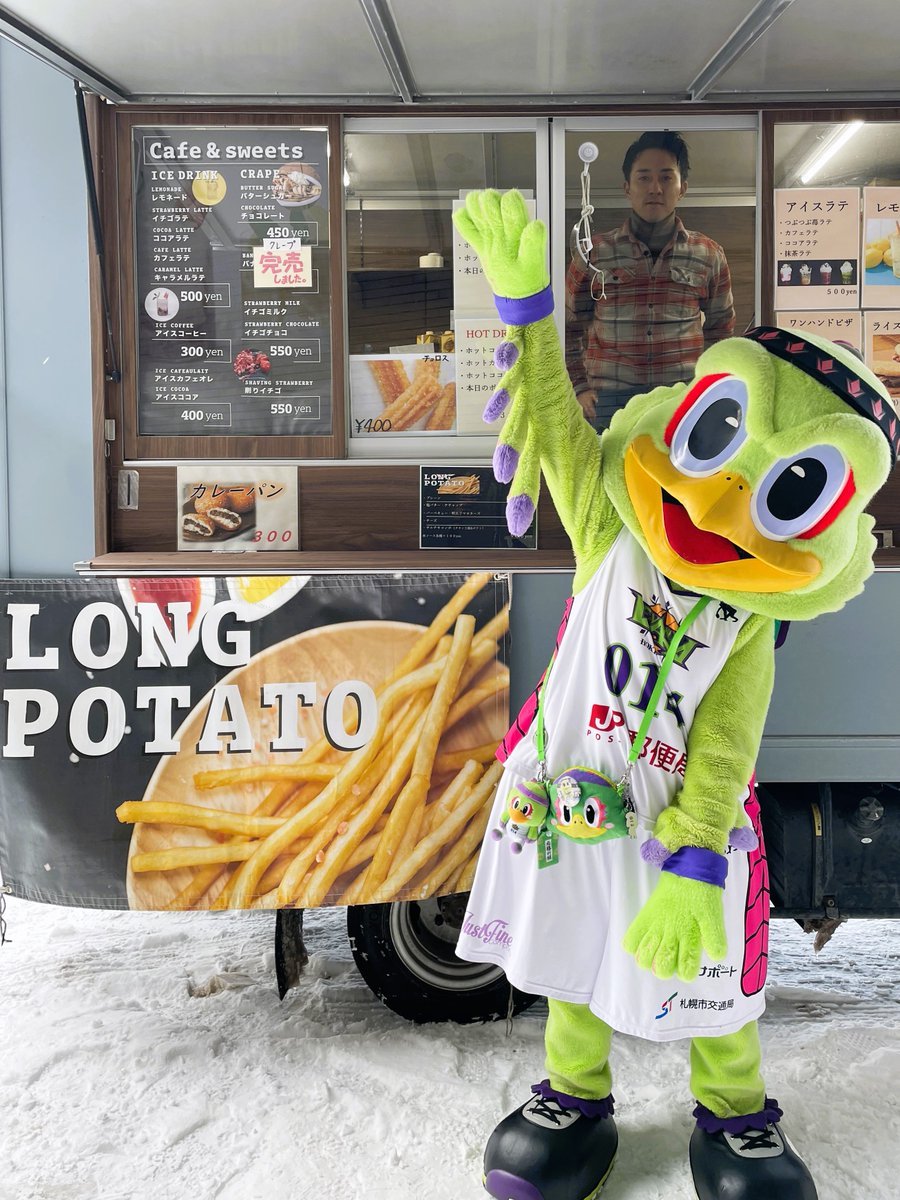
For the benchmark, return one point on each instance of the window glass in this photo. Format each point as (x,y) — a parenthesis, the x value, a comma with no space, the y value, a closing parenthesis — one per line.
(663,266)
(420,318)
(848,291)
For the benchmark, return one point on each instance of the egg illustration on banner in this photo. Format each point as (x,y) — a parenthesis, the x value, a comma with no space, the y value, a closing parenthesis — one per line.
(255,596)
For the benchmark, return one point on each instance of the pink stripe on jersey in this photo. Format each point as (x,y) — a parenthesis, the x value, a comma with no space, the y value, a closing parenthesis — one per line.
(524,720)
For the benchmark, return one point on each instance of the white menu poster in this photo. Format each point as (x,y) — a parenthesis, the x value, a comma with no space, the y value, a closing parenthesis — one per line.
(883,349)
(237,506)
(477,338)
(881,240)
(816,248)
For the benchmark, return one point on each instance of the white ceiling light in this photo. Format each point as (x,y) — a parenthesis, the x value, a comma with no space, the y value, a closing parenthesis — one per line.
(824,153)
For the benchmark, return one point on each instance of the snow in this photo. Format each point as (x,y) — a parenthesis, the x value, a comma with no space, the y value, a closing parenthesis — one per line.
(146,1055)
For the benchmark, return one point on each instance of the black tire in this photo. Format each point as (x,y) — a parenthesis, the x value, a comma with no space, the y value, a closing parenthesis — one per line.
(406,954)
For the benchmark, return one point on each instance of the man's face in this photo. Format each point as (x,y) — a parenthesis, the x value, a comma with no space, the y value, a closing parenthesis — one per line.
(655,185)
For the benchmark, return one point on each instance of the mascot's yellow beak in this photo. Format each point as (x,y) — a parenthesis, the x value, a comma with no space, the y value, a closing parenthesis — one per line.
(700,532)
(578,828)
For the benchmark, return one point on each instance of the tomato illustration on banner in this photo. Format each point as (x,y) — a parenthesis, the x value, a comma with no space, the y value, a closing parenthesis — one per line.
(175,606)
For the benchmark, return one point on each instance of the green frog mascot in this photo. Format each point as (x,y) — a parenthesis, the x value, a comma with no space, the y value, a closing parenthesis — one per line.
(707,514)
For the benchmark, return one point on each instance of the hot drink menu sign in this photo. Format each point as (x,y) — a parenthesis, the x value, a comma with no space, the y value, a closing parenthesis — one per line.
(232,273)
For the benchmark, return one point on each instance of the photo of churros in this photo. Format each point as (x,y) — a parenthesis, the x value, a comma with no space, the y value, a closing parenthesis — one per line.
(406,393)
(397,814)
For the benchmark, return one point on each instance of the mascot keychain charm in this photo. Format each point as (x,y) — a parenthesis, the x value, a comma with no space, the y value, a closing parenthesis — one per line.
(747,486)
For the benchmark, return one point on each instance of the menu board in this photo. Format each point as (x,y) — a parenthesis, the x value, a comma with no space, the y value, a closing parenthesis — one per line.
(816,248)
(464,508)
(232,281)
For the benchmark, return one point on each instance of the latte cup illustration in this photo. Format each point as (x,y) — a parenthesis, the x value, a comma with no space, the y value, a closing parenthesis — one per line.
(825,273)
(161,304)
(786,272)
(846,272)
(805,274)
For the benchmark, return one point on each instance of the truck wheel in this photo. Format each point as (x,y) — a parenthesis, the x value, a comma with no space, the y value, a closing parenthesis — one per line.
(406,954)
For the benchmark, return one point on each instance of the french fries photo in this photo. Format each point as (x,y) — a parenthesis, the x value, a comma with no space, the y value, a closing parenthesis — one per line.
(399,816)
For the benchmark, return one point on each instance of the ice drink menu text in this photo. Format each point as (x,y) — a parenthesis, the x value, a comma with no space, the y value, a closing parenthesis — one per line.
(233,285)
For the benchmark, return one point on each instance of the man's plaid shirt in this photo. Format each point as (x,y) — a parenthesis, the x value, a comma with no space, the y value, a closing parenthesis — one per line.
(646,330)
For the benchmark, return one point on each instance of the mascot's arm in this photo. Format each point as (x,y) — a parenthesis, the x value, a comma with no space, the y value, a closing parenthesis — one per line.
(545,429)
(723,744)
(684,915)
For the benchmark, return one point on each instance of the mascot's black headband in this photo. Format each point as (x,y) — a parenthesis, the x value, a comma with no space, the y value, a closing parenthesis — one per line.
(834,374)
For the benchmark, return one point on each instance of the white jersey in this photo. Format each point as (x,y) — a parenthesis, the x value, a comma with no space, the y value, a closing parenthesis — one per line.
(557,931)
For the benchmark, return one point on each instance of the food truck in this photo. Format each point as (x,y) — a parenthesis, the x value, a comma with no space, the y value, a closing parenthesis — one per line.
(264,622)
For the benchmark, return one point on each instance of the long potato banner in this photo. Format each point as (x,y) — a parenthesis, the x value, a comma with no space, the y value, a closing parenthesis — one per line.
(249,741)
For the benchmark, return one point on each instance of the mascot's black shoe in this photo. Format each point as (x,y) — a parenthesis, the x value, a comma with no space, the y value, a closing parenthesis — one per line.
(555,1147)
(758,1164)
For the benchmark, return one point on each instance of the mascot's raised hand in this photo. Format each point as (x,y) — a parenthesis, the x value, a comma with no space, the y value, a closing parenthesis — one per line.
(513,253)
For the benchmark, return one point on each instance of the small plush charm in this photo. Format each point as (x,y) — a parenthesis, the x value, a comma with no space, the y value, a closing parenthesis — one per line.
(586,806)
(524,814)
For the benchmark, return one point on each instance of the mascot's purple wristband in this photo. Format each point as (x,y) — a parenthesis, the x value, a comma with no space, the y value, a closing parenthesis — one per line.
(527,310)
(703,865)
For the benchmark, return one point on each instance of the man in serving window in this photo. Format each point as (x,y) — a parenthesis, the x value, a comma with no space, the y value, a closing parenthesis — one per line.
(651,296)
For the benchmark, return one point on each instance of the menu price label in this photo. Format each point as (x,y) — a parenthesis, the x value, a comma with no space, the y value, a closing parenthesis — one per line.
(237,506)
(233,285)
(464,508)
(816,248)
(401,394)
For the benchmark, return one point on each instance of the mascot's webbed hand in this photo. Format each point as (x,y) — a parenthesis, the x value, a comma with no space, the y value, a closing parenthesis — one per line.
(513,253)
(545,431)
(512,247)
(682,919)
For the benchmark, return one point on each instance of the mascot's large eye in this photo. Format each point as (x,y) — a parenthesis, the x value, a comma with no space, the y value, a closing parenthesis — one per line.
(593,814)
(565,813)
(709,426)
(801,495)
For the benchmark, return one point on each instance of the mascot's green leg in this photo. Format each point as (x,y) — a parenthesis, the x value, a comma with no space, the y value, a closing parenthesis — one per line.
(738,1149)
(561,1143)
(725,1075)
(577,1045)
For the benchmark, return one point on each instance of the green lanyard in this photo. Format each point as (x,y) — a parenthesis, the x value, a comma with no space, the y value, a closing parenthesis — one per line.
(634,753)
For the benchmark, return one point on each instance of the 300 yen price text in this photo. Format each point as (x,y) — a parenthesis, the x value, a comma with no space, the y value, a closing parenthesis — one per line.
(272,535)
(202,352)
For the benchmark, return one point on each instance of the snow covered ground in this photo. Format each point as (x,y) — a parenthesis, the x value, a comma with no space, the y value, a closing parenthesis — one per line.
(145,1056)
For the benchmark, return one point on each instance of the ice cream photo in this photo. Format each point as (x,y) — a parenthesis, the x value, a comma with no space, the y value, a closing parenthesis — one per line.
(786,272)
(805,274)
(825,273)
(846,272)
